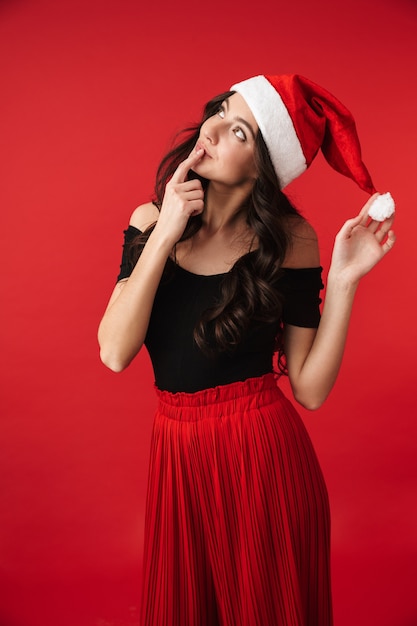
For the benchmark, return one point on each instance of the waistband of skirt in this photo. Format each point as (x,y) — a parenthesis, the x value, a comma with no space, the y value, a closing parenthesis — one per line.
(252,393)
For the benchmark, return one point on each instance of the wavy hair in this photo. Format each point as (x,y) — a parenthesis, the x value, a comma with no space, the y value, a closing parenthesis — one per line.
(249,292)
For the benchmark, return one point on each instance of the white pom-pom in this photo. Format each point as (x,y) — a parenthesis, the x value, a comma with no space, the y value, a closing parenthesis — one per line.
(382,207)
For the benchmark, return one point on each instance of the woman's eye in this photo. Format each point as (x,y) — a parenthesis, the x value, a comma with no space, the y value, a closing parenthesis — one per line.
(220,112)
(240,134)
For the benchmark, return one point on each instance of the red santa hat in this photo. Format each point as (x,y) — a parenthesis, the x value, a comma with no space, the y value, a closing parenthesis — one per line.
(296,118)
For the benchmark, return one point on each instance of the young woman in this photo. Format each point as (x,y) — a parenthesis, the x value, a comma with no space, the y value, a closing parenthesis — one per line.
(218,274)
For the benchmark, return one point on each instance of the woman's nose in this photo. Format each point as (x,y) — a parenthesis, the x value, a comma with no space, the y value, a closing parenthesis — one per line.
(211,130)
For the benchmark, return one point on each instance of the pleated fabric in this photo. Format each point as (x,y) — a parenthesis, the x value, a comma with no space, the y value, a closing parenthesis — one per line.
(237,528)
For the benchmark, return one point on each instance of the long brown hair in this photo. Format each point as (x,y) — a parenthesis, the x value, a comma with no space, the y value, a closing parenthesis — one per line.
(249,291)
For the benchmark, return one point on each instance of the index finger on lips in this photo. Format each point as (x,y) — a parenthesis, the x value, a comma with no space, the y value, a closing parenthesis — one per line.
(180,174)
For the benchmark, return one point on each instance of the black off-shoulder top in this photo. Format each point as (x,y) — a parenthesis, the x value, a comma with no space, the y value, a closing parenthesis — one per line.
(182,297)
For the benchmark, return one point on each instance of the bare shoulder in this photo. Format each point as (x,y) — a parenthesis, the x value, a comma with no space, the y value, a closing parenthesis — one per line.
(144,215)
(304,248)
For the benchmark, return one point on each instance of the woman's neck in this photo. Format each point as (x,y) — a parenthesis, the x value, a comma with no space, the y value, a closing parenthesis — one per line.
(223,207)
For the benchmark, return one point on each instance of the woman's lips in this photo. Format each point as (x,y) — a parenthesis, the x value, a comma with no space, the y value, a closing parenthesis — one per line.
(201,146)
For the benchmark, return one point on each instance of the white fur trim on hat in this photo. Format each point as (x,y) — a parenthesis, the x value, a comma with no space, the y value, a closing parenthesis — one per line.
(276,127)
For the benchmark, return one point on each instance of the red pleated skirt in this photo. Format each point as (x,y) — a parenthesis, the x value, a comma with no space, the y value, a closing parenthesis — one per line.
(237,528)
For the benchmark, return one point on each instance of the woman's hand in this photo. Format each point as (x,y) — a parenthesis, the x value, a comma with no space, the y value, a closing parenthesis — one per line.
(360,245)
(183,199)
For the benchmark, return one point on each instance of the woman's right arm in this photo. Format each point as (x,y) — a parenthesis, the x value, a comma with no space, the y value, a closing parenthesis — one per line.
(123,327)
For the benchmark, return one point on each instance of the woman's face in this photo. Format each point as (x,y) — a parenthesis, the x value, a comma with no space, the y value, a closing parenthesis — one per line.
(228,140)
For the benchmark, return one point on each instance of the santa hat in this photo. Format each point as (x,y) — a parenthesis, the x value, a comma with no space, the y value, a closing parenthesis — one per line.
(297,117)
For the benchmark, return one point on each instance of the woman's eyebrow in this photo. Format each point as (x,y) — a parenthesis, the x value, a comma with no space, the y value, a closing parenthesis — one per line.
(241,120)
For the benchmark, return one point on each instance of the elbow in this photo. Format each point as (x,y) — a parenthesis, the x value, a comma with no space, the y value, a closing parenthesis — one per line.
(116,354)
(309,401)
(311,405)
(113,361)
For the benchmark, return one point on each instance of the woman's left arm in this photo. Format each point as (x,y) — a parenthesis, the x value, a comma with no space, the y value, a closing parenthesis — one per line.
(314,356)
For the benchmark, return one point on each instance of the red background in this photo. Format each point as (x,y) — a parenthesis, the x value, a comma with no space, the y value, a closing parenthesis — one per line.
(91,93)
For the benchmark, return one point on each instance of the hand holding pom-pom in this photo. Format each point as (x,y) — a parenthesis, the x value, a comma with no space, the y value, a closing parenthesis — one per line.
(362,243)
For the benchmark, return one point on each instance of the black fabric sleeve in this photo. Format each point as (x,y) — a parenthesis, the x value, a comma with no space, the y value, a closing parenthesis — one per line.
(301,291)
(127,264)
